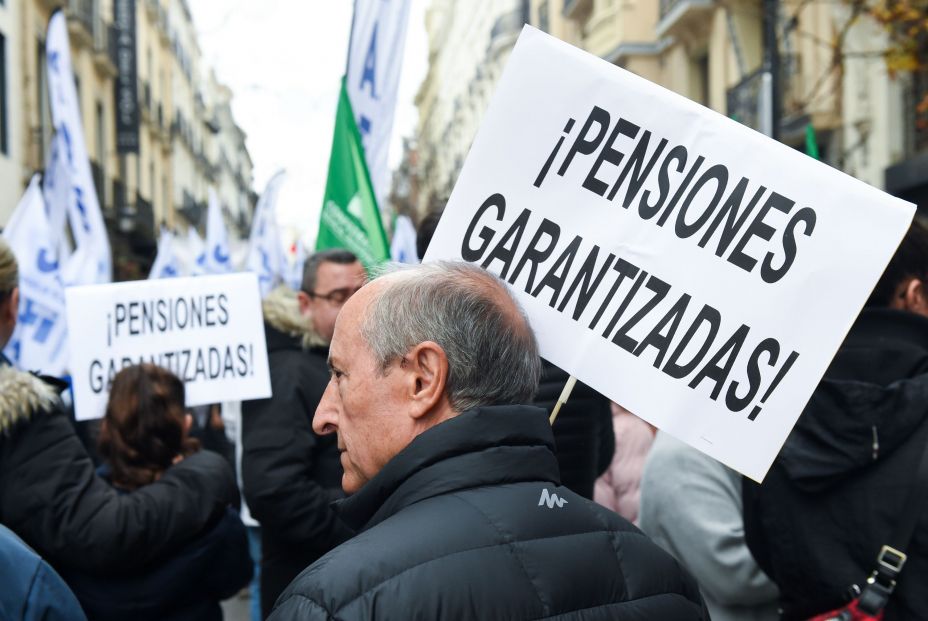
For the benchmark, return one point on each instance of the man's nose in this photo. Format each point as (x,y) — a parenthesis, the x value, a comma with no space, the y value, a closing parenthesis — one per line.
(325,420)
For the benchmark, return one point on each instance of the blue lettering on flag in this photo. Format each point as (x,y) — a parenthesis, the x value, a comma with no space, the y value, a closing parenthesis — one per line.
(369,74)
(83,210)
(39,316)
(43,262)
(219,256)
(364,126)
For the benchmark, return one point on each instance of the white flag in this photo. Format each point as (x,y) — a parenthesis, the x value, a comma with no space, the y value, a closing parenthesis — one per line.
(39,342)
(56,185)
(375,59)
(93,260)
(197,249)
(218,260)
(295,274)
(403,244)
(265,255)
(166,264)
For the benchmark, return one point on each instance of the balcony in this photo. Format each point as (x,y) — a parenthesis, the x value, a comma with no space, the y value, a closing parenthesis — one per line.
(677,16)
(82,14)
(577,10)
(505,31)
(104,48)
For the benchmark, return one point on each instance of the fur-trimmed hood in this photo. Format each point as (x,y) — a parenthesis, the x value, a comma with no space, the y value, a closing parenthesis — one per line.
(282,312)
(22,395)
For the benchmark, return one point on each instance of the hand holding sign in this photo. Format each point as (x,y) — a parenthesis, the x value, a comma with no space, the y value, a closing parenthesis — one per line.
(683,265)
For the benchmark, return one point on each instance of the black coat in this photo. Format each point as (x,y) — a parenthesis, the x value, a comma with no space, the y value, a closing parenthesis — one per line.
(186,587)
(289,474)
(458,526)
(51,496)
(583,431)
(832,498)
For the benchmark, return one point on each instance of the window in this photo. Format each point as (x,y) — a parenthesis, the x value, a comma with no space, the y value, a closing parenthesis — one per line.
(45,115)
(4,128)
(101,149)
(543,18)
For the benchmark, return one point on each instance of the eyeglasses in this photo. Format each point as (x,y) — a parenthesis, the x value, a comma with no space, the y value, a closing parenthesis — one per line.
(336,297)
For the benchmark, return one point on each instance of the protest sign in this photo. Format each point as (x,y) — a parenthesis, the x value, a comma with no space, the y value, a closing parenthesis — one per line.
(208,330)
(687,267)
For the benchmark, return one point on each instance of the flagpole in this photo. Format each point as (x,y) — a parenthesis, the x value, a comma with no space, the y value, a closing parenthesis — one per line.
(565,394)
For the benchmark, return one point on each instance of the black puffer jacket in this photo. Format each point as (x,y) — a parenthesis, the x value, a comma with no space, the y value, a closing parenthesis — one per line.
(583,433)
(469,522)
(290,475)
(51,496)
(834,494)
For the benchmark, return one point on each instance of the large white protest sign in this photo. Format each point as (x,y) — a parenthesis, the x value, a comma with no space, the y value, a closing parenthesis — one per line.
(685,266)
(208,330)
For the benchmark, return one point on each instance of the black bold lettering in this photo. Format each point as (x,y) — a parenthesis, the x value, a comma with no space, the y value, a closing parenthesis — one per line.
(535,255)
(771,347)
(633,166)
(806,215)
(609,154)
(554,280)
(713,319)
(734,222)
(587,289)
(468,252)
(583,144)
(647,211)
(719,366)
(661,342)
(660,290)
(719,174)
(625,269)
(506,254)
(759,228)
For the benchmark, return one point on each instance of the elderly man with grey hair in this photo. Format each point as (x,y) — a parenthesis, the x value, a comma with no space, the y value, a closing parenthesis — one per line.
(454,486)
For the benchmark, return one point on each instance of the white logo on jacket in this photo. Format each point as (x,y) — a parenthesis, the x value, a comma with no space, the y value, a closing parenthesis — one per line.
(551,499)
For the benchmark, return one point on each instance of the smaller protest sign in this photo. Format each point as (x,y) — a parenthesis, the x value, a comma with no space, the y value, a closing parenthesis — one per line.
(207,330)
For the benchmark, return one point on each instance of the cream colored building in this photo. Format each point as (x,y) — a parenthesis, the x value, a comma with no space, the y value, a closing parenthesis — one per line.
(469,42)
(708,51)
(185,122)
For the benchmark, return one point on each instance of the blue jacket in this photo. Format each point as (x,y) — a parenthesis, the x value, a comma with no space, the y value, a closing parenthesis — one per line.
(31,588)
(185,586)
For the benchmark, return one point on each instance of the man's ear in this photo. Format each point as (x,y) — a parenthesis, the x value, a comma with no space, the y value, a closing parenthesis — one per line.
(426,366)
(915,297)
(303,300)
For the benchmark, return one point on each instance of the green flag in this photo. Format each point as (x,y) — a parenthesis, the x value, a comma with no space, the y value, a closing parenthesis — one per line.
(811,142)
(350,218)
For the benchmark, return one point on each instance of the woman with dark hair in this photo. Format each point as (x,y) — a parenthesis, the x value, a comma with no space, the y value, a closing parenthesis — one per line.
(144,433)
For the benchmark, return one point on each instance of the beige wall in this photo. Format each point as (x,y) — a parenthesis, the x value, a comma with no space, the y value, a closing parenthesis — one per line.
(11,163)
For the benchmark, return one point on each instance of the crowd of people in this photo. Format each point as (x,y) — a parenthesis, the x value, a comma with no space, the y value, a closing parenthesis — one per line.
(405,468)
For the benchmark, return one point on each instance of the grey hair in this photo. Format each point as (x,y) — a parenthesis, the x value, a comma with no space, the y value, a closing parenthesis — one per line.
(491,349)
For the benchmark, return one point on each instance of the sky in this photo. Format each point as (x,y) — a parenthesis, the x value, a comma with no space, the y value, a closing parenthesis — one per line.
(283,60)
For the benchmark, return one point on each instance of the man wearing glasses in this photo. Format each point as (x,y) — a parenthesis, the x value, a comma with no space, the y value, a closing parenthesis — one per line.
(290,474)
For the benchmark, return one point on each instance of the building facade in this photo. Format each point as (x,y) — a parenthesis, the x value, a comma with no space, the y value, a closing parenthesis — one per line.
(469,43)
(185,134)
(834,83)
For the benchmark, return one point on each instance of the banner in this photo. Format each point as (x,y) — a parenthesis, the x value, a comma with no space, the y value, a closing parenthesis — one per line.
(375,61)
(217,259)
(93,260)
(166,264)
(350,218)
(403,245)
(685,266)
(126,82)
(265,254)
(294,278)
(207,330)
(197,251)
(39,342)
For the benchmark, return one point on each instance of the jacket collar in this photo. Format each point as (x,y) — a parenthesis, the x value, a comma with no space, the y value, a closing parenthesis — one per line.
(888,327)
(493,445)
